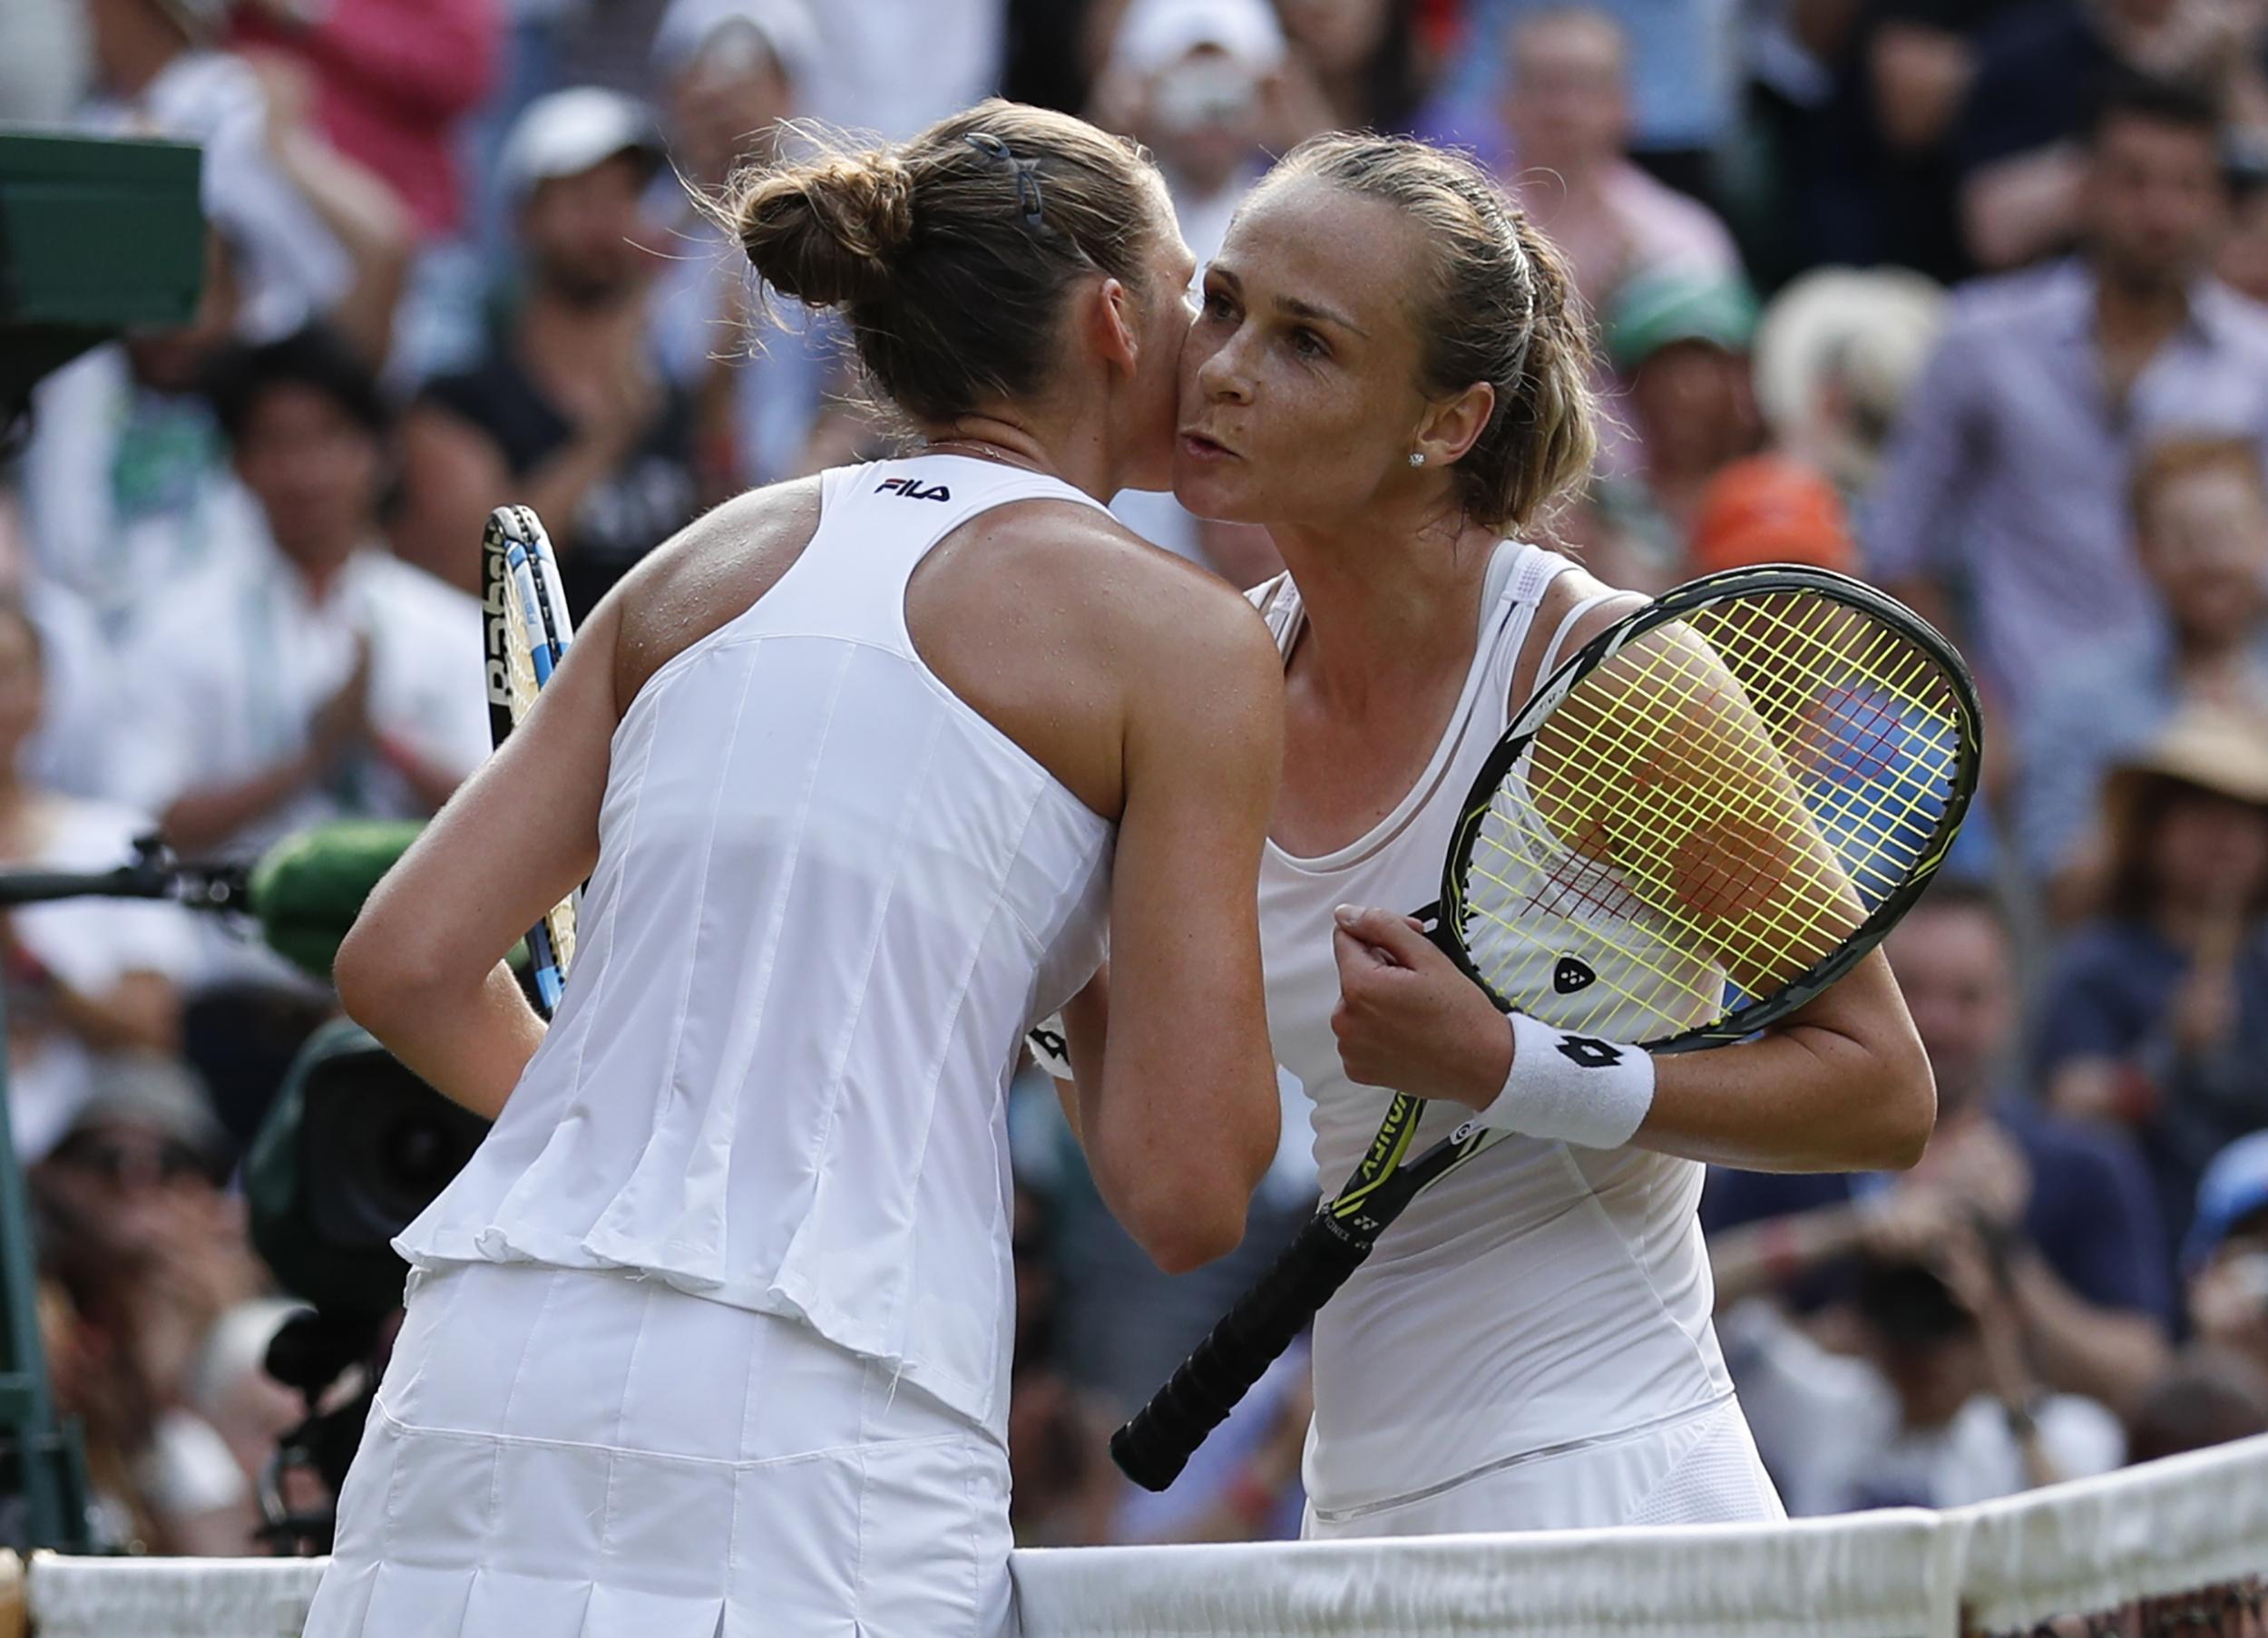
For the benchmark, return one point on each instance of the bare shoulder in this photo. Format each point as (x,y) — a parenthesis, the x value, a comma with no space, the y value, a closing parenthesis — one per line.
(707,574)
(1122,596)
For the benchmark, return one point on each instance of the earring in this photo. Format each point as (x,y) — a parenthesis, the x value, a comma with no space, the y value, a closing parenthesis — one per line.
(1417,457)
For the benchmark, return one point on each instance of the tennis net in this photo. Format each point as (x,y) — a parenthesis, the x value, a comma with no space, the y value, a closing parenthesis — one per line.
(2178,1548)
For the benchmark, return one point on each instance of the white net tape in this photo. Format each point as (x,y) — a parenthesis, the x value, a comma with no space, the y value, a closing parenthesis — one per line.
(2176,1547)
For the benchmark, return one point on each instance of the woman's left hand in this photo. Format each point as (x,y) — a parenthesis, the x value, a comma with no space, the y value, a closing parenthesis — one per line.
(1408,1019)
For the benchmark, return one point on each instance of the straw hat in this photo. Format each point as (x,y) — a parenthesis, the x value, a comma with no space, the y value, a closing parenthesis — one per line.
(2207,747)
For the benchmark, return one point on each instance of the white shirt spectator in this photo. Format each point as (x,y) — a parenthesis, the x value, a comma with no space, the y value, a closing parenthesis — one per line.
(80,687)
(90,944)
(127,490)
(225,680)
(1830,1429)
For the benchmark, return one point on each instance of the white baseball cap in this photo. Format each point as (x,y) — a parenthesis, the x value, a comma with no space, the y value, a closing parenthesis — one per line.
(788,29)
(1156,33)
(568,132)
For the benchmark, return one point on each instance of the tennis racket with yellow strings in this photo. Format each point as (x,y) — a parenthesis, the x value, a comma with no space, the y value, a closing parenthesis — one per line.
(1702,819)
(526,631)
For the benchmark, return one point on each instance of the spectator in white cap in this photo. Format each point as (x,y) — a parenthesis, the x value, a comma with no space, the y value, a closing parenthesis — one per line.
(568,410)
(731,71)
(1192,80)
(1196,83)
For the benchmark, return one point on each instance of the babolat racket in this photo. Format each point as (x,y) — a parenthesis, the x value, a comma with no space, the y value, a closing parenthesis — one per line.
(1702,819)
(527,633)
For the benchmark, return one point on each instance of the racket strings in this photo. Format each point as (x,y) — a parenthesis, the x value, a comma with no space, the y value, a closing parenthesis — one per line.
(1790,764)
(1836,731)
(1665,803)
(1917,684)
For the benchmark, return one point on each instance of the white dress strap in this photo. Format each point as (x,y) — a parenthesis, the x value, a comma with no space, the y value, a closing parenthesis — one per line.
(1567,624)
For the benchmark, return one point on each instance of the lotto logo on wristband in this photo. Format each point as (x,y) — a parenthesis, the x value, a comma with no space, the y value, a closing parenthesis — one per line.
(1590,1054)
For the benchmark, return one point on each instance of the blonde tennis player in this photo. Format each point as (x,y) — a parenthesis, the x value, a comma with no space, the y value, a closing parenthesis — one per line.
(1390,372)
(711,1337)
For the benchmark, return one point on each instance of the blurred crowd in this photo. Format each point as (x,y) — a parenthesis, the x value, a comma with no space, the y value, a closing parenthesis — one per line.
(1959,294)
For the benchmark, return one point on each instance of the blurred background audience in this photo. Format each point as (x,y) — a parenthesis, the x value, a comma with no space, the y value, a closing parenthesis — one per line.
(1961,295)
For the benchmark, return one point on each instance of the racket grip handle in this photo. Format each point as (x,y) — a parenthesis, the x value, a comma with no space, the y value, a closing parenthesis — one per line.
(1154,1448)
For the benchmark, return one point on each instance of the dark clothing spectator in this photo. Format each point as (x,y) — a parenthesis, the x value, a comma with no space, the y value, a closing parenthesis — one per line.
(2110,997)
(2040,69)
(644,499)
(570,412)
(1878,179)
(2092,1213)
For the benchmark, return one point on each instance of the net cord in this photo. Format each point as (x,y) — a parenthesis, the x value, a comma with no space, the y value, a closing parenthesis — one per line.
(2192,1527)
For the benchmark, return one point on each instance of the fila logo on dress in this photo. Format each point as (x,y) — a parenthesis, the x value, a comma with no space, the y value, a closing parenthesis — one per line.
(913,489)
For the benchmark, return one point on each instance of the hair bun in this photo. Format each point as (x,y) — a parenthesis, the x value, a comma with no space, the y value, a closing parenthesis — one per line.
(828,233)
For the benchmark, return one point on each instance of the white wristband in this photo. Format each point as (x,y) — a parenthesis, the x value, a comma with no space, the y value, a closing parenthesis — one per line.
(1571,1088)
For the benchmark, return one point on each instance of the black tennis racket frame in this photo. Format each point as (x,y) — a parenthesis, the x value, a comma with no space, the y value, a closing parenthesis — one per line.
(1155,1446)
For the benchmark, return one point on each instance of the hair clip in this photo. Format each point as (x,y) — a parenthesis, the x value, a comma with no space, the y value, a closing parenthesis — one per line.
(1030,201)
(1027,197)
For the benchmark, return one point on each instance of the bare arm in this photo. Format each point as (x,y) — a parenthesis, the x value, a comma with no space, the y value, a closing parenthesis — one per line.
(1843,1085)
(423,968)
(453,473)
(141,1010)
(1757,1258)
(359,210)
(2111,1355)
(2022,207)
(201,820)
(1180,1124)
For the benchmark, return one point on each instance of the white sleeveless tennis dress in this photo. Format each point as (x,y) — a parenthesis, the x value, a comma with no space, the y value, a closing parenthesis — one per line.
(710,1340)
(1530,1346)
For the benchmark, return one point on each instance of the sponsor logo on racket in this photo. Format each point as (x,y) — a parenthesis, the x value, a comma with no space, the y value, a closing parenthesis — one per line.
(914,489)
(494,607)
(1572,975)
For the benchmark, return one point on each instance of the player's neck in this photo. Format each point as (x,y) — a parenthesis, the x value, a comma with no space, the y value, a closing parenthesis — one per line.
(1387,608)
(1076,451)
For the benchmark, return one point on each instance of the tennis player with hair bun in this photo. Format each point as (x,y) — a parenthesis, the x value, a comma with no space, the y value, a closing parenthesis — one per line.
(711,1337)
(1390,372)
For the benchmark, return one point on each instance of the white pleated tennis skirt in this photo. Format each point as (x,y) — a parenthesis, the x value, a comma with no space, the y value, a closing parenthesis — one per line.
(559,1453)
